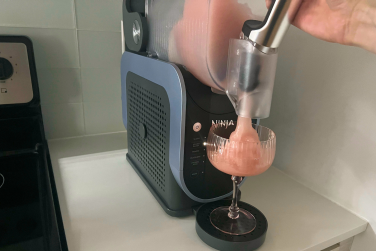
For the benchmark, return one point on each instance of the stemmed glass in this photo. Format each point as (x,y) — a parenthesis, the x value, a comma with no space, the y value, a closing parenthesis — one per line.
(239,159)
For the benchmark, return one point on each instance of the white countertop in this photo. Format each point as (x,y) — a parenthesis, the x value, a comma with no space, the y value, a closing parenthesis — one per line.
(106,206)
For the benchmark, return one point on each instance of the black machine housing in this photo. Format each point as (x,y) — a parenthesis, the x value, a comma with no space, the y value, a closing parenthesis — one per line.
(148,144)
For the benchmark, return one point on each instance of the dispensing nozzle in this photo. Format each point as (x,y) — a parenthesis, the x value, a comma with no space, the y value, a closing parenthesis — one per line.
(252,60)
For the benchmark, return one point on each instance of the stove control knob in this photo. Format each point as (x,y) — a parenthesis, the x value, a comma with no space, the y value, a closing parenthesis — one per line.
(6,69)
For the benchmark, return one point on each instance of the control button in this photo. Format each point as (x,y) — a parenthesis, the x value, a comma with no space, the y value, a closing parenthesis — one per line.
(197,127)
(195,163)
(194,174)
(6,69)
(198,144)
(4,90)
(195,157)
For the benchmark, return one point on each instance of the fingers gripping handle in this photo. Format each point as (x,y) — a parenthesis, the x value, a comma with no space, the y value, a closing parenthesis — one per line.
(270,32)
(252,62)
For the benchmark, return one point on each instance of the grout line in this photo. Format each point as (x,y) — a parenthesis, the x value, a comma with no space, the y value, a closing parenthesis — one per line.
(74,14)
(57,68)
(83,117)
(86,135)
(112,31)
(83,114)
(97,68)
(62,103)
(36,27)
(79,63)
(112,101)
(58,28)
(82,94)
(75,68)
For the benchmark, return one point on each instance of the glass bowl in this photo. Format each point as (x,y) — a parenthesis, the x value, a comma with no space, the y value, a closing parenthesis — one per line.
(240,158)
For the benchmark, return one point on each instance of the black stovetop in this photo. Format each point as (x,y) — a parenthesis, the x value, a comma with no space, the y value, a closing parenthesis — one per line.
(30,217)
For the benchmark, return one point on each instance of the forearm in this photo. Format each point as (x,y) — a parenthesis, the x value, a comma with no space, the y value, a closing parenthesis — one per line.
(361,30)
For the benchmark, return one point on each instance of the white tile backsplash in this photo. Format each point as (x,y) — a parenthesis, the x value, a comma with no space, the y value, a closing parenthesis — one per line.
(102,85)
(99,49)
(324,115)
(103,117)
(53,48)
(77,47)
(37,13)
(59,86)
(63,120)
(99,15)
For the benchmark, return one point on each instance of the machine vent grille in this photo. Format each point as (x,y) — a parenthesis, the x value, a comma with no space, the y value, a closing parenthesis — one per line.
(146,108)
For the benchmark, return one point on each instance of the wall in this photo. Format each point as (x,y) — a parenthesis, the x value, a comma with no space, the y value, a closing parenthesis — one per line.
(324,116)
(78,49)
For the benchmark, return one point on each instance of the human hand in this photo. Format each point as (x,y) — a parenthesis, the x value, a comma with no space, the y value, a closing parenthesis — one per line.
(348,22)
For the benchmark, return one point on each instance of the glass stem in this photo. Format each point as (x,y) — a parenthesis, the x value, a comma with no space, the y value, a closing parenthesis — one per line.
(234,209)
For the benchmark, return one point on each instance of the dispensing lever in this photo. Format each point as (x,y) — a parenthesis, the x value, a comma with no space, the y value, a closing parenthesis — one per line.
(268,34)
(252,61)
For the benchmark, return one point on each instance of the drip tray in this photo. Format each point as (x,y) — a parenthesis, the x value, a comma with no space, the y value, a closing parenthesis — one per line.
(226,242)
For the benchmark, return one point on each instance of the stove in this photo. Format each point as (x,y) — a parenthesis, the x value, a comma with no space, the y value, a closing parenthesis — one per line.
(30,217)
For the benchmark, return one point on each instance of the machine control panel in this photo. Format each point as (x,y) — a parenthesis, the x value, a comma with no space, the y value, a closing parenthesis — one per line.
(200,176)
(203,109)
(15,78)
(197,156)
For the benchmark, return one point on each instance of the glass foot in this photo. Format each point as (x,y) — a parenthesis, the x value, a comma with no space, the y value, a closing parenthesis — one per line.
(244,224)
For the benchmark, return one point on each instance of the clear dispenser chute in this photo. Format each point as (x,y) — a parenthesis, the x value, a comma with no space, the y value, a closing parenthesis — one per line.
(250,79)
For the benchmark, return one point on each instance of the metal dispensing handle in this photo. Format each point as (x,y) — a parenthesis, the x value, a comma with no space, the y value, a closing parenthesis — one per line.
(268,34)
(252,61)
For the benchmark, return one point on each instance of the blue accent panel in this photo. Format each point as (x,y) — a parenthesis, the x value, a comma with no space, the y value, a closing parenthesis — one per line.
(169,77)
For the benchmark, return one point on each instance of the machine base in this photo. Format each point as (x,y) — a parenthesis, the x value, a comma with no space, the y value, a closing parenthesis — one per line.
(173,213)
(225,242)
